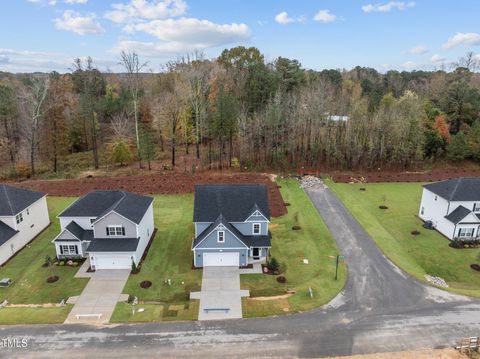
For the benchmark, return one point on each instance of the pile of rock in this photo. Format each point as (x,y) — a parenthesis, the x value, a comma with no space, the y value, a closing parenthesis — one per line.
(312,182)
(436,281)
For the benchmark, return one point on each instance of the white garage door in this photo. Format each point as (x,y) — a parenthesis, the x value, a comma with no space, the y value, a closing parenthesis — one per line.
(117,262)
(221,259)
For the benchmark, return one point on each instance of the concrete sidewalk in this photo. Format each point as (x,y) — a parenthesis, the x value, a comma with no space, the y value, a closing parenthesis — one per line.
(220,290)
(96,303)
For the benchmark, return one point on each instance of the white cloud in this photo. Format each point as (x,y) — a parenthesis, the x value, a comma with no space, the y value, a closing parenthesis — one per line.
(75,1)
(387,7)
(325,16)
(462,38)
(43,2)
(145,9)
(195,32)
(418,50)
(283,18)
(437,58)
(75,22)
(409,65)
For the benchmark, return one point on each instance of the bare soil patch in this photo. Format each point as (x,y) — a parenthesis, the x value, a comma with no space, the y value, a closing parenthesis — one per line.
(273,297)
(159,183)
(419,354)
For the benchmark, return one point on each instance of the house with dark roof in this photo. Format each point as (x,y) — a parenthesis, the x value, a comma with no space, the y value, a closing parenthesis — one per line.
(23,215)
(231,225)
(453,206)
(110,228)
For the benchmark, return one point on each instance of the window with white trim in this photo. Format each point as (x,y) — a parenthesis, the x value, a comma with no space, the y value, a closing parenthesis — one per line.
(221,236)
(19,218)
(68,250)
(466,232)
(115,231)
(256,228)
(476,207)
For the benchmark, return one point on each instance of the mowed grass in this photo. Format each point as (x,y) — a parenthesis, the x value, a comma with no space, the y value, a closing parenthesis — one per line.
(427,253)
(169,257)
(30,278)
(313,242)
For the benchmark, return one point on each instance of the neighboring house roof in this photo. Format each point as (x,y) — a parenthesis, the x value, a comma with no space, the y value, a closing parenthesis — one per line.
(99,203)
(234,202)
(249,241)
(78,232)
(113,245)
(458,189)
(14,200)
(6,232)
(458,214)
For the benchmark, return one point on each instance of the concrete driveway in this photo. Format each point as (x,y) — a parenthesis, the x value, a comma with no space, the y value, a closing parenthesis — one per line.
(96,303)
(220,297)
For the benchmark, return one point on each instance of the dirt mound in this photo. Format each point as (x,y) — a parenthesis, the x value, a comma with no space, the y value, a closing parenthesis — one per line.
(161,183)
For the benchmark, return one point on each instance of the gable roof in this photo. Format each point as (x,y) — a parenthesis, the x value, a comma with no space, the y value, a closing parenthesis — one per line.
(458,214)
(14,200)
(248,241)
(234,202)
(99,203)
(458,189)
(6,232)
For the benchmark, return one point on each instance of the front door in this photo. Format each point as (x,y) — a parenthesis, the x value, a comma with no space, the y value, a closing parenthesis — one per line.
(256,253)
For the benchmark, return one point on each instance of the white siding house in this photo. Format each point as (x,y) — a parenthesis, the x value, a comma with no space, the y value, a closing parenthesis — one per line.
(23,215)
(110,228)
(453,207)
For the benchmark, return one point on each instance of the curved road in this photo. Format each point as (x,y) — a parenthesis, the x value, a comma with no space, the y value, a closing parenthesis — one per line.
(380,309)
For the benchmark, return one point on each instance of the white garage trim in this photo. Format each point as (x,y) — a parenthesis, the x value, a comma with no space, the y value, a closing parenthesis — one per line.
(221,259)
(111,261)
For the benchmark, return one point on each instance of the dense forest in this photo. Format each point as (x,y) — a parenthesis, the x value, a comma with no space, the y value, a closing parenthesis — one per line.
(239,110)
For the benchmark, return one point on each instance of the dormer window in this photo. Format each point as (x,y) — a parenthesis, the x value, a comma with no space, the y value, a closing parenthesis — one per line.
(256,228)
(220,236)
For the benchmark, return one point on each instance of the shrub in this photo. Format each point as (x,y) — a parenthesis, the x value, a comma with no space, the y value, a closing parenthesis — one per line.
(383,207)
(48,261)
(273,264)
(286,204)
(296,228)
(281,279)
(415,232)
(363,189)
(235,163)
(61,263)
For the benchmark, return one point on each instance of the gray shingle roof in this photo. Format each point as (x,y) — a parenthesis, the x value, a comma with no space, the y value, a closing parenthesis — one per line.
(6,232)
(113,245)
(458,214)
(249,241)
(98,203)
(78,232)
(234,202)
(14,200)
(458,189)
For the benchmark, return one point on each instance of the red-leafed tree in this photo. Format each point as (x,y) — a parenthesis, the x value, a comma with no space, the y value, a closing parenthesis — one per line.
(442,127)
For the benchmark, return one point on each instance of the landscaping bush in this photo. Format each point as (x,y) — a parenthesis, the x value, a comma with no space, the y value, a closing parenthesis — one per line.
(296,228)
(465,243)
(415,232)
(145,284)
(48,261)
(363,189)
(281,279)
(273,264)
(61,263)
(383,207)
(52,279)
(286,204)
(475,267)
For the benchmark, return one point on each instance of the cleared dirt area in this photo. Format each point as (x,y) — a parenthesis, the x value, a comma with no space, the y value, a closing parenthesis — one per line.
(384,176)
(420,354)
(160,183)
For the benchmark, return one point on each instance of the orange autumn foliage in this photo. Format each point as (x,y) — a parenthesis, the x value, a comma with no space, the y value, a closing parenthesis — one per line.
(442,127)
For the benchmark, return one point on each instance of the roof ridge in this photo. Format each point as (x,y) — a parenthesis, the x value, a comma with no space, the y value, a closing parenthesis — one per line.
(8,198)
(458,180)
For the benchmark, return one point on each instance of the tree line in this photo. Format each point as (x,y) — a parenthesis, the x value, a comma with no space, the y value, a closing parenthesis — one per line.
(238,110)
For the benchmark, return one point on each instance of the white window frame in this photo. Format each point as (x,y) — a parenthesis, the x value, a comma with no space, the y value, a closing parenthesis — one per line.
(223,236)
(19,218)
(113,231)
(69,250)
(466,232)
(259,228)
(476,207)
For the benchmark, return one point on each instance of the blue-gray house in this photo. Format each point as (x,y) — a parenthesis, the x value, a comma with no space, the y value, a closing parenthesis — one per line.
(231,225)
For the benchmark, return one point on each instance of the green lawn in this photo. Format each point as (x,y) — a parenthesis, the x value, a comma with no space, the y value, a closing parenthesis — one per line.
(169,257)
(30,278)
(313,242)
(34,315)
(427,253)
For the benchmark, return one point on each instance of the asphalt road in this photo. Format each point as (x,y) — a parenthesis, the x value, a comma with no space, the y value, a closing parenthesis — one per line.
(381,309)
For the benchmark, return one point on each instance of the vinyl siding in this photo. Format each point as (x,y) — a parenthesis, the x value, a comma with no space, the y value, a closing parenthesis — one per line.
(114,219)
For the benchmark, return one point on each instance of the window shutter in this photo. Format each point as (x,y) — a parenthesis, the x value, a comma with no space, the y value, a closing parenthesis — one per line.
(474,207)
(459,231)
(61,249)
(107,230)
(76,249)
(123,231)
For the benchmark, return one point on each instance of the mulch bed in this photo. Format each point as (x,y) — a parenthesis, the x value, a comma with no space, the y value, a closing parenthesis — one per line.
(52,279)
(160,183)
(407,176)
(475,267)
(145,284)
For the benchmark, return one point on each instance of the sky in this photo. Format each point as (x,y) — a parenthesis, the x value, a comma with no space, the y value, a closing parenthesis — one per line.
(46,35)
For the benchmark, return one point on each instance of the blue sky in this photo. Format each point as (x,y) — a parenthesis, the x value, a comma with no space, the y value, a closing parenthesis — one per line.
(44,35)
